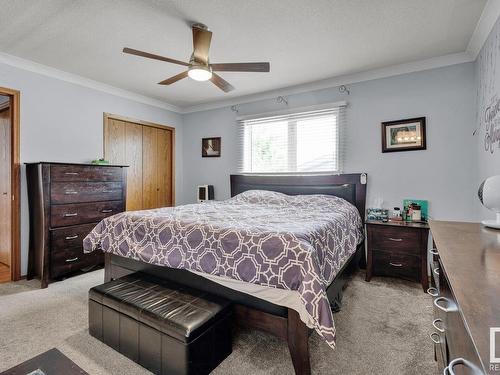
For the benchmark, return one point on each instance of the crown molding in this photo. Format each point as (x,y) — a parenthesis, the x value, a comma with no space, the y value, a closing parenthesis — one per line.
(369,75)
(489,17)
(48,71)
(389,71)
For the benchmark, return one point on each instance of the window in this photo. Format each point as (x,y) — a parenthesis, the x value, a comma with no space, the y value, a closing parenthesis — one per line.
(293,143)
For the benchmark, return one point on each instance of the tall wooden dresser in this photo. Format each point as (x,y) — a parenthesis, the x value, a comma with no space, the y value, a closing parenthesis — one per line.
(466,289)
(65,202)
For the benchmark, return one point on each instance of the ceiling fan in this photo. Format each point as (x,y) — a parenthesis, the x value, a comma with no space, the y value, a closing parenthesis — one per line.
(199,67)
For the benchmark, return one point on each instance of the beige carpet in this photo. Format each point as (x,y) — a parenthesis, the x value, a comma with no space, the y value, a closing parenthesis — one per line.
(382,329)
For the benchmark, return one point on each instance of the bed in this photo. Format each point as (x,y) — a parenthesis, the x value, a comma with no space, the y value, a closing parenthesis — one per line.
(269,249)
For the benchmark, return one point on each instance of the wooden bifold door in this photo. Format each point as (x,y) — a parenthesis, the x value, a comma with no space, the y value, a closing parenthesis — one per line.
(148,150)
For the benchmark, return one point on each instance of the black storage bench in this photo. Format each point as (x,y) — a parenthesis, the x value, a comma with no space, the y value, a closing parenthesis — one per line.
(164,327)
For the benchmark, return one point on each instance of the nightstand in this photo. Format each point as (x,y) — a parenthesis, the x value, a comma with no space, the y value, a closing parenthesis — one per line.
(397,249)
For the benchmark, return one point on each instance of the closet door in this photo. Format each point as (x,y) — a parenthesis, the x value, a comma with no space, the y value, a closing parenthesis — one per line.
(134,155)
(5,190)
(114,135)
(124,146)
(150,167)
(148,151)
(164,167)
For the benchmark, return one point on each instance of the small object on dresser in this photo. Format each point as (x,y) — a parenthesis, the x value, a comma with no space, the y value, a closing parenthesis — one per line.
(100,161)
(397,249)
(416,213)
(396,214)
(377,214)
(408,206)
(489,195)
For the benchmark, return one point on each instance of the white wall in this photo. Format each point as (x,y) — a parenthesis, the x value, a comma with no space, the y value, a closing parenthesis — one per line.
(442,173)
(61,121)
(488,97)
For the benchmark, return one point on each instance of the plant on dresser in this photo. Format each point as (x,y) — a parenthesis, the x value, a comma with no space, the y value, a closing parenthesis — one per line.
(397,249)
(65,202)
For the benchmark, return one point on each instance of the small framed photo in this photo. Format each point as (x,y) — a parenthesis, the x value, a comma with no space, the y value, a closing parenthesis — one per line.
(210,147)
(404,135)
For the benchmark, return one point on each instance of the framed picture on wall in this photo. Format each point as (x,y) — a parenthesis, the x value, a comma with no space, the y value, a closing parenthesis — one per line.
(210,147)
(404,135)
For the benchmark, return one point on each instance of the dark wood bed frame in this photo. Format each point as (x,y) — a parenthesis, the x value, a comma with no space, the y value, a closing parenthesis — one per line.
(250,311)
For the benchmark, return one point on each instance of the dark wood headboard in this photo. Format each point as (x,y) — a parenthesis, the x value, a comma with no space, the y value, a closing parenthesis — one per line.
(346,186)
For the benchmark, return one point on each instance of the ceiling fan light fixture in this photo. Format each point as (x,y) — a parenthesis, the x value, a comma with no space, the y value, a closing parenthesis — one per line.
(199,67)
(199,73)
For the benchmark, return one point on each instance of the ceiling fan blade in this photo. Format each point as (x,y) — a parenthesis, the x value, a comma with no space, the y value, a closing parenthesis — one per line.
(221,83)
(201,44)
(148,55)
(174,79)
(261,67)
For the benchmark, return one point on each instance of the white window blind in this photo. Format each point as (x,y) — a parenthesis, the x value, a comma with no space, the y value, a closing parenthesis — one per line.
(308,141)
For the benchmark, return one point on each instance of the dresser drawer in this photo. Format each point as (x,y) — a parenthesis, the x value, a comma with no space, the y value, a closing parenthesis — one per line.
(75,192)
(73,173)
(396,239)
(440,356)
(69,237)
(82,213)
(435,270)
(396,265)
(70,260)
(461,352)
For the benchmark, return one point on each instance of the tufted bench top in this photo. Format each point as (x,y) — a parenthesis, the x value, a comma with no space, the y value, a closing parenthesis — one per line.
(170,308)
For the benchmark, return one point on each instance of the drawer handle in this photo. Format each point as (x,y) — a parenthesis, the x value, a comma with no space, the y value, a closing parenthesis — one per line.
(435,338)
(436,271)
(106,211)
(71,173)
(395,239)
(71,260)
(435,325)
(433,251)
(108,191)
(396,264)
(70,215)
(70,192)
(451,305)
(433,292)
(460,361)
(72,237)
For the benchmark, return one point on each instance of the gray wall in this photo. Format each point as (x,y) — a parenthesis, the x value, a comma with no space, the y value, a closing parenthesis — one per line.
(442,174)
(488,96)
(61,121)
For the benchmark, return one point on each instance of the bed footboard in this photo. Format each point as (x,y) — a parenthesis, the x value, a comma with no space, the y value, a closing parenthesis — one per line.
(250,311)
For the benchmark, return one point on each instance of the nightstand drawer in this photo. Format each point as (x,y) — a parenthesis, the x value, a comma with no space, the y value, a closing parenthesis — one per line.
(395,239)
(397,265)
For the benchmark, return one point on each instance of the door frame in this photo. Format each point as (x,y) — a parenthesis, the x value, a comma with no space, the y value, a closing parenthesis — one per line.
(110,116)
(15,177)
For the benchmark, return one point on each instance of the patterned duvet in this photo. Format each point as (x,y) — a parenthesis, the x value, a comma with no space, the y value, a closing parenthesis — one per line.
(267,238)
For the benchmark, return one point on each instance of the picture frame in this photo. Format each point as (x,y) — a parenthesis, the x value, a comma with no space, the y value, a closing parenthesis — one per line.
(211,147)
(404,135)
